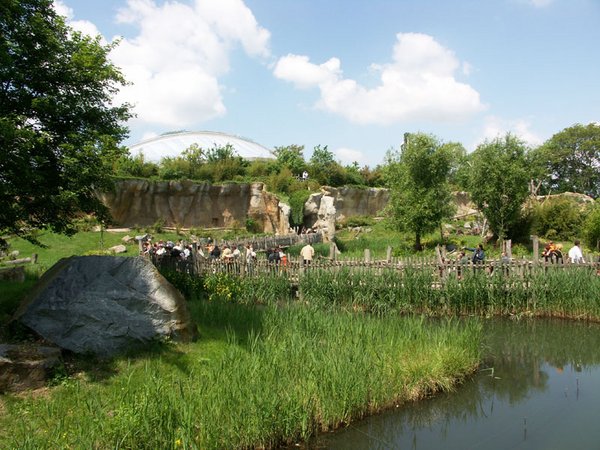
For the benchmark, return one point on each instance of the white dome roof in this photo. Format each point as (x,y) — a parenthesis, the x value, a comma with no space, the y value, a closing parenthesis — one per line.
(172,144)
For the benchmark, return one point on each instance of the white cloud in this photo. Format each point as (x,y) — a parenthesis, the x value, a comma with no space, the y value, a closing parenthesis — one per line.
(348,155)
(300,71)
(495,127)
(178,55)
(83,26)
(419,83)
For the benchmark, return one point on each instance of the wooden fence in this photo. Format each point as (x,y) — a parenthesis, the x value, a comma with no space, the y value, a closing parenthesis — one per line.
(293,267)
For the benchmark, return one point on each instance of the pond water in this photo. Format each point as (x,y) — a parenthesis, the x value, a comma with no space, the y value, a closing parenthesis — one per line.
(538,388)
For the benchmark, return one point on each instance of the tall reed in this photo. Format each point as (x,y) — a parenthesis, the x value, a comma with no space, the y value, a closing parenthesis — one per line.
(279,375)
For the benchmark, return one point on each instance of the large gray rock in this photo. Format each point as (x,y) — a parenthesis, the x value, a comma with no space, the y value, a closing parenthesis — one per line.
(105,305)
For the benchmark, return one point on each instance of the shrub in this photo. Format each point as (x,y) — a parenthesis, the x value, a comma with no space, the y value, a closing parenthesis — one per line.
(591,228)
(158,226)
(558,219)
(252,226)
(297,201)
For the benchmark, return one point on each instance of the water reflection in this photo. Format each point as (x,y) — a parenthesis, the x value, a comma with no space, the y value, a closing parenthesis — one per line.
(538,388)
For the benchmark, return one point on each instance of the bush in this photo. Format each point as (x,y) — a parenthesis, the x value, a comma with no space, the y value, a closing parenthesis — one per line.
(252,226)
(558,219)
(591,228)
(297,201)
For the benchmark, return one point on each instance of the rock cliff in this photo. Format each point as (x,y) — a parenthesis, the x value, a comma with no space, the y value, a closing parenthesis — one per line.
(322,210)
(188,204)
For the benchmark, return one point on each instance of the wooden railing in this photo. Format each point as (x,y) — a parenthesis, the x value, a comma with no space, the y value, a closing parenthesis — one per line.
(293,267)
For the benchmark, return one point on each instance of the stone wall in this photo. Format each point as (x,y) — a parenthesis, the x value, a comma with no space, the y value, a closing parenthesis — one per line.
(188,204)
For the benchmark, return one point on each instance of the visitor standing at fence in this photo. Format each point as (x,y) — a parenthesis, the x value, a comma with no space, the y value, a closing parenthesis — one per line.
(478,254)
(307,253)
(575,254)
(250,258)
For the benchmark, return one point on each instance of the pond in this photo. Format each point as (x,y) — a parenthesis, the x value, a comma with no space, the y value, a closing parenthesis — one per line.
(538,388)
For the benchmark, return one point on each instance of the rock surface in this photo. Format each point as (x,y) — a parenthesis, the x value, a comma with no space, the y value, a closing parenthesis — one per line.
(26,367)
(188,204)
(105,305)
(323,209)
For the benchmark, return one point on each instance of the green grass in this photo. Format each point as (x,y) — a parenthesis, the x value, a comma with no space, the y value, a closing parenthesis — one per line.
(258,377)
(57,246)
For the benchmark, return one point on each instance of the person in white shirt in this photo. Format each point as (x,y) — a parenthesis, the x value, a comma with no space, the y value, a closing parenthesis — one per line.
(307,253)
(575,255)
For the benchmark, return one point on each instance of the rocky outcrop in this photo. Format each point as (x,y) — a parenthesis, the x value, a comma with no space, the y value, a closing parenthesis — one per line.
(105,305)
(322,210)
(188,204)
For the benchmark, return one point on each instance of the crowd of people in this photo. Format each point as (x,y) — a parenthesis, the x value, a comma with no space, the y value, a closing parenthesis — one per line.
(167,248)
(227,253)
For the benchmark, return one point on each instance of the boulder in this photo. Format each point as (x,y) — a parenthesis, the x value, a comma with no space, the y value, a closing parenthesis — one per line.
(105,305)
(25,366)
(127,240)
(118,249)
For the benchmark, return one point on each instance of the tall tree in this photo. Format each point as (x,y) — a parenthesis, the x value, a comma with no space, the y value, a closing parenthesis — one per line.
(292,157)
(59,132)
(498,182)
(570,161)
(420,197)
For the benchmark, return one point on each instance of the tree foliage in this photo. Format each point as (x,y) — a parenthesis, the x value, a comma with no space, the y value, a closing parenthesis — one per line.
(420,197)
(591,227)
(558,218)
(292,157)
(570,161)
(59,132)
(499,182)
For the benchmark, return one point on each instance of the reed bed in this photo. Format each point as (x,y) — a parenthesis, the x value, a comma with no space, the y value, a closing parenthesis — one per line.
(277,376)
(547,291)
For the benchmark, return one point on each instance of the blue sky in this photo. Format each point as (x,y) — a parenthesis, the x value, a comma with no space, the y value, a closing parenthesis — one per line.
(353,75)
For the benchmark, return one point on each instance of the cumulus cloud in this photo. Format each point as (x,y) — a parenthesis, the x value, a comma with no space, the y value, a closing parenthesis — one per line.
(419,83)
(178,54)
(495,127)
(349,155)
(83,26)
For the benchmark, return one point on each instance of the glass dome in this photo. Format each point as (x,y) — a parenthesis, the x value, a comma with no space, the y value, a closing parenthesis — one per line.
(172,144)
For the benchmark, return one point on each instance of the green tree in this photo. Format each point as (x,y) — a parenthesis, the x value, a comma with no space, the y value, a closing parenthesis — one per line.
(222,164)
(292,157)
(570,161)
(59,132)
(420,196)
(591,227)
(459,166)
(499,182)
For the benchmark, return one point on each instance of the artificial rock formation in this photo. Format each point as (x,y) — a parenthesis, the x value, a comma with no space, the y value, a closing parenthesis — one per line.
(105,305)
(322,210)
(188,204)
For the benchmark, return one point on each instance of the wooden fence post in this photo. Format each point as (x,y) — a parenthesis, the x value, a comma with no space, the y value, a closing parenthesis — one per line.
(536,248)
(367,255)
(389,254)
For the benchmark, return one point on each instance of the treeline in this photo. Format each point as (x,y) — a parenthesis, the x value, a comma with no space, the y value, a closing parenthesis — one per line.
(504,178)
(500,176)
(222,164)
